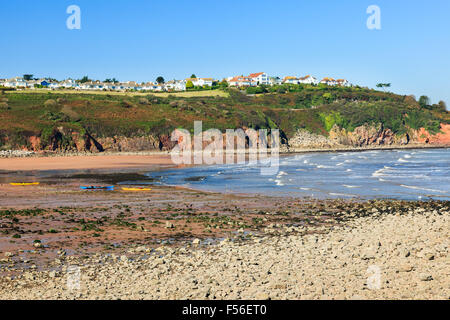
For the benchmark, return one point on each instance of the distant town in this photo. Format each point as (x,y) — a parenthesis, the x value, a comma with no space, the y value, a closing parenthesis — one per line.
(192,83)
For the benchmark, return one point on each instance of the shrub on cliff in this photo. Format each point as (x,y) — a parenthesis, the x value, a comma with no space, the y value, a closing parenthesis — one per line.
(329,120)
(4,106)
(127,104)
(50,103)
(71,114)
(144,101)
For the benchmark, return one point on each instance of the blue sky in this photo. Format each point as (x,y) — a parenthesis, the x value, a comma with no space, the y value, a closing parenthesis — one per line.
(142,39)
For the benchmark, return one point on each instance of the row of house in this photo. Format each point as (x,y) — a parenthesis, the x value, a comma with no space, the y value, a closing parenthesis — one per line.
(262,78)
(173,85)
(254,79)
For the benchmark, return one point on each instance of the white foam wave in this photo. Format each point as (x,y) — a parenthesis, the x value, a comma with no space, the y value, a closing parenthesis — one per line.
(421,188)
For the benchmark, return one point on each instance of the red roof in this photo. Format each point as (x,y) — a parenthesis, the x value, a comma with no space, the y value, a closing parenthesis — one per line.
(255,75)
(239,79)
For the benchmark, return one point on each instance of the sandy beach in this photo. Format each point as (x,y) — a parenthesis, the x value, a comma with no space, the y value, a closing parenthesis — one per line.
(84,162)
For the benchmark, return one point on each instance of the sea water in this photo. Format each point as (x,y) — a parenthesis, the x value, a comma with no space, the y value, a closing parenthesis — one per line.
(397,174)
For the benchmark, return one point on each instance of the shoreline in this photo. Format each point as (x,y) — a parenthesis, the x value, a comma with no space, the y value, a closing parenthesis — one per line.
(144,159)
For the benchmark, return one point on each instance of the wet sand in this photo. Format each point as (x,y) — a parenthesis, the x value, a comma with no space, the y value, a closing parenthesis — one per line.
(83,162)
(63,218)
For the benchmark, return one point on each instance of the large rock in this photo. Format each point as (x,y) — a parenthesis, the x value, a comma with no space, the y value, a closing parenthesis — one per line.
(365,135)
(305,139)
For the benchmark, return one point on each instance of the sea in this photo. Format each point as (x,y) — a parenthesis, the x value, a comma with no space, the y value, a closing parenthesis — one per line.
(406,174)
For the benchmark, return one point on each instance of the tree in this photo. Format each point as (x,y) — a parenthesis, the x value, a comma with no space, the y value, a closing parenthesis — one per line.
(160,80)
(442,105)
(223,83)
(383,85)
(189,85)
(424,101)
(85,79)
(193,76)
(27,77)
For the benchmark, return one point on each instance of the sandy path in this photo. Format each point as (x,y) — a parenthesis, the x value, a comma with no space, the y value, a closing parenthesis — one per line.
(83,162)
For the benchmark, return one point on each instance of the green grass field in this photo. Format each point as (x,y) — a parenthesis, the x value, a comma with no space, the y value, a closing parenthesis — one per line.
(186,94)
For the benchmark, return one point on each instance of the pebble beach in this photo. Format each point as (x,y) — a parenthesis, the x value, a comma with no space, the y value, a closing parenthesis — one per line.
(403,255)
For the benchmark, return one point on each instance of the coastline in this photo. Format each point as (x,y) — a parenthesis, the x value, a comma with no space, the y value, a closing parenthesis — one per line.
(136,160)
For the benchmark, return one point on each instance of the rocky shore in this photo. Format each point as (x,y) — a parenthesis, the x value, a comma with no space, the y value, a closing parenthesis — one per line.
(380,250)
(16,154)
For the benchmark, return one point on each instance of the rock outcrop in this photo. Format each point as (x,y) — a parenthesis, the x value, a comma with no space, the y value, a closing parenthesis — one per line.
(63,139)
(441,138)
(367,135)
(305,139)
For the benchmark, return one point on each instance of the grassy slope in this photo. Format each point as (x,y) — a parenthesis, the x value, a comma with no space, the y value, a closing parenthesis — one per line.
(106,115)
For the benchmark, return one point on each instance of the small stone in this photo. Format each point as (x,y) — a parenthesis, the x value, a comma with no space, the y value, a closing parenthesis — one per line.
(262,296)
(405,268)
(141,249)
(425,277)
(9,254)
(37,245)
(196,241)
(429,256)
(102,291)
(169,225)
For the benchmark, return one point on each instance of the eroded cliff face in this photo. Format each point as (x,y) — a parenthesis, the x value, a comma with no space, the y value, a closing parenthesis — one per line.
(68,140)
(441,138)
(367,135)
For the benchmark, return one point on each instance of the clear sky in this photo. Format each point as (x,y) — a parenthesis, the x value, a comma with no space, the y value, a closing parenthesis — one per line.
(142,39)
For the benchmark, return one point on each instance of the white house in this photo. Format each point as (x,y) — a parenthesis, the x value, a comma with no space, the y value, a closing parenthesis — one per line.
(201,82)
(54,85)
(87,85)
(240,81)
(291,80)
(328,81)
(308,80)
(149,86)
(275,81)
(177,85)
(259,78)
(69,83)
(119,86)
(343,83)
(15,83)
